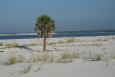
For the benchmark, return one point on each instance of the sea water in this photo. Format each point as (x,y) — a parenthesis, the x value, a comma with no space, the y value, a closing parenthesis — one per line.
(60,34)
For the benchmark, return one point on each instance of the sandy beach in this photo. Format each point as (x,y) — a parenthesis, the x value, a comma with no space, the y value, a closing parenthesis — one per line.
(65,57)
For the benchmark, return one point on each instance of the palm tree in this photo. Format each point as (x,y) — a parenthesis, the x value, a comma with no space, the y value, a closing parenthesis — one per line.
(44,26)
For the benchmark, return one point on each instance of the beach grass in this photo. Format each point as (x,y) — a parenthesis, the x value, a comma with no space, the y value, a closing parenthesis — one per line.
(66,57)
(113,57)
(98,56)
(13,60)
(27,68)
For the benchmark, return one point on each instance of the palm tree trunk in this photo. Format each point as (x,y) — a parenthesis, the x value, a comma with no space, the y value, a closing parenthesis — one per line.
(44,43)
(44,49)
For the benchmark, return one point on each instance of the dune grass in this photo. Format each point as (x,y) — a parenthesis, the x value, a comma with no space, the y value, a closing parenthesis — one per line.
(93,56)
(113,57)
(98,56)
(27,68)
(13,60)
(71,40)
(66,57)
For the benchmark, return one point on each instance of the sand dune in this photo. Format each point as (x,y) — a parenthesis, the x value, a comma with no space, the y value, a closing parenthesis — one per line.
(93,57)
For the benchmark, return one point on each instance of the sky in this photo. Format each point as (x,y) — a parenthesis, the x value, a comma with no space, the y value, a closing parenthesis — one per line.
(69,15)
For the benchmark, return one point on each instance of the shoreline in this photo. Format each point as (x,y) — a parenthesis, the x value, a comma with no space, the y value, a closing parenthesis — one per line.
(80,37)
(68,37)
(60,34)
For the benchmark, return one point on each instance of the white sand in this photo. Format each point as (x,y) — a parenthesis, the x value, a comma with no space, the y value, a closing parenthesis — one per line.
(79,68)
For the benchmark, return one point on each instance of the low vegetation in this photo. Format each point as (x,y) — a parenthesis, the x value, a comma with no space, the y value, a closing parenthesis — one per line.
(39,58)
(1,44)
(93,56)
(12,60)
(48,57)
(71,40)
(113,57)
(11,45)
(75,55)
(98,57)
(27,68)
(36,58)
(66,57)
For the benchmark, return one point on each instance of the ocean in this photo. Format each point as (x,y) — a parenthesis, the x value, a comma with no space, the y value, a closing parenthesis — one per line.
(61,34)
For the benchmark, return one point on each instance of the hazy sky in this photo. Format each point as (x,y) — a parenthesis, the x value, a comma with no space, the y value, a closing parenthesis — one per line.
(20,15)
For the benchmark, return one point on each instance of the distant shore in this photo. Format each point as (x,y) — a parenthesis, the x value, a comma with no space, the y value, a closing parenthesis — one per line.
(60,34)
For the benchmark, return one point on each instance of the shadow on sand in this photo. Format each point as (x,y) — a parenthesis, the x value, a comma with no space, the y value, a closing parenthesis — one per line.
(25,47)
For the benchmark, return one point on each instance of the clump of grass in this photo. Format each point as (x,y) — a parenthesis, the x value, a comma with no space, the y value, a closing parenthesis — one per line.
(12,45)
(98,56)
(45,56)
(31,67)
(93,56)
(52,43)
(36,58)
(51,59)
(13,60)
(27,68)
(42,57)
(39,67)
(75,55)
(95,44)
(60,41)
(101,39)
(1,44)
(70,40)
(32,44)
(20,58)
(66,57)
(113,57)
(112,37)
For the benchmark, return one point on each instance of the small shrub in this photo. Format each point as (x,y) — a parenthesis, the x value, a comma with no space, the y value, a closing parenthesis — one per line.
(70,40)
(32,44)
(75,55)
(39,67)
(1,44)
(51,59)
(36,58)
(66,57)
(27,68)
(13,60)
(98,57)
(20,58)
(60,42)
(45,56)
(93,56)
(12,45)
(113,57)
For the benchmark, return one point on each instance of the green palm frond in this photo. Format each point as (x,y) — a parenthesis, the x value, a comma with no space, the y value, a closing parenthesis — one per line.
(44,25)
